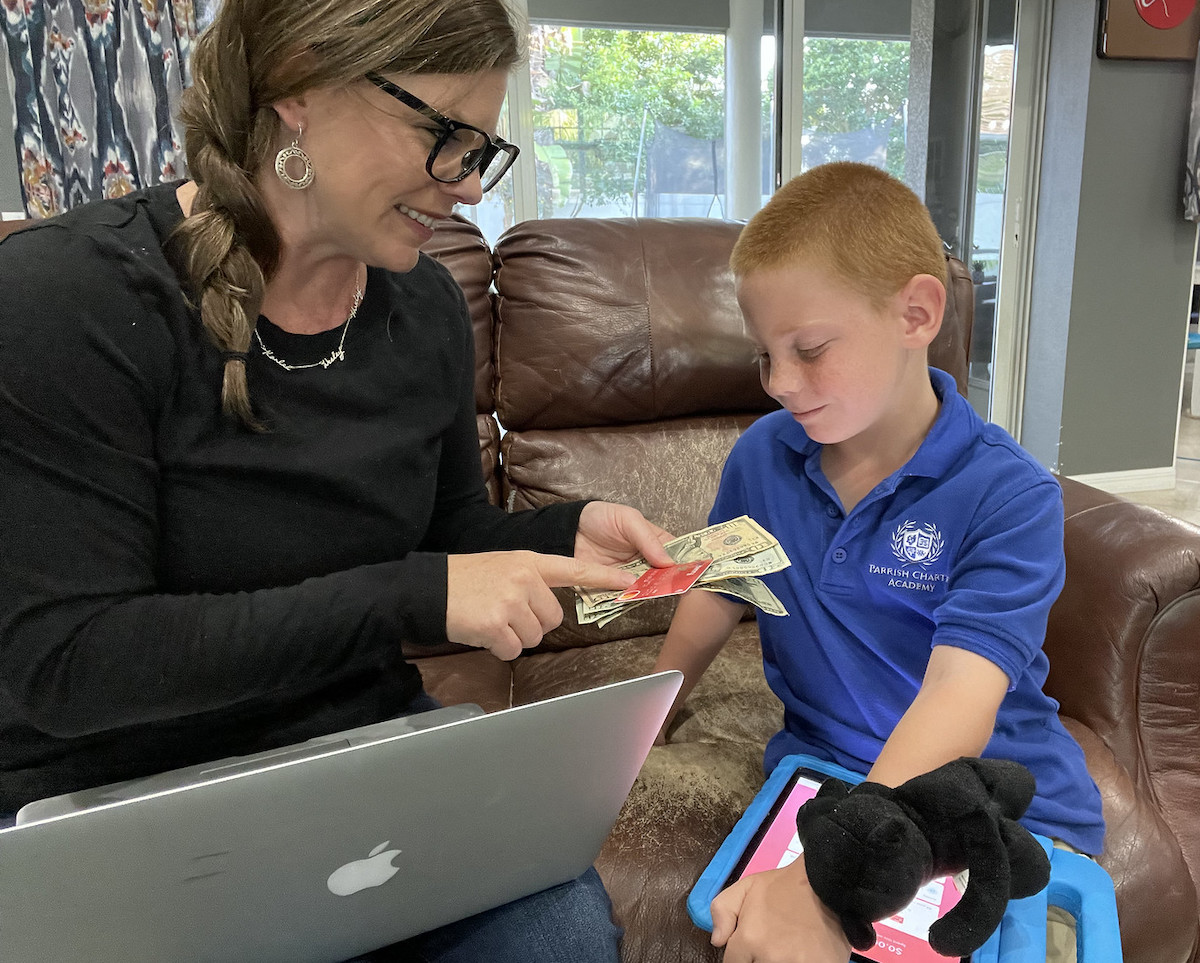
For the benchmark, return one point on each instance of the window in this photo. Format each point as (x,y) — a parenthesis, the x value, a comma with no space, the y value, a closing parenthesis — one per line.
(855,102)
(991,167)
(624,123)
(628,122)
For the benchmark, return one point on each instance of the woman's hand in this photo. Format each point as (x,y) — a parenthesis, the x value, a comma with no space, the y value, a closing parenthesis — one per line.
(501,601)
(775,917)
(609,534)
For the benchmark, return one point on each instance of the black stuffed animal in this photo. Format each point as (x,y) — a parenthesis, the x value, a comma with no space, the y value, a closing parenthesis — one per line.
(869,848)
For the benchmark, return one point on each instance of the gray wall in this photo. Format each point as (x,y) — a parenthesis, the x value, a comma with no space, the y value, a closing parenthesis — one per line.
(1113,261)
(10,183)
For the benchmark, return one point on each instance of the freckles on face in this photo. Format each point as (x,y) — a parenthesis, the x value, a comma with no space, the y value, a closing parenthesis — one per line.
(790,339)
(822,352)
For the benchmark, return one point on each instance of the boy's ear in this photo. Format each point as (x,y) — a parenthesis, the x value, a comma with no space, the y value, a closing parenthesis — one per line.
(922,302)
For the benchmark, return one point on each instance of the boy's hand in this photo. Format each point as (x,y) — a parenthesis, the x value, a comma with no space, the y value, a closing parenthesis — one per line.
(774,917)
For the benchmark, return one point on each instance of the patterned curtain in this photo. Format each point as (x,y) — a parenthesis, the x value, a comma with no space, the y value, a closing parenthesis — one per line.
(96,89)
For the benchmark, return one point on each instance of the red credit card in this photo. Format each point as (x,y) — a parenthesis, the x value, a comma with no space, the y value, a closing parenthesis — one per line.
(658,582)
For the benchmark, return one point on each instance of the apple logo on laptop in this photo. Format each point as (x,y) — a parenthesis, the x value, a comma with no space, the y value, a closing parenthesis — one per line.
(359,874)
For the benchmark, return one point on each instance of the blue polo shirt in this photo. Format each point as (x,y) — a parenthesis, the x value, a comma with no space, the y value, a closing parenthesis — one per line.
(962,546)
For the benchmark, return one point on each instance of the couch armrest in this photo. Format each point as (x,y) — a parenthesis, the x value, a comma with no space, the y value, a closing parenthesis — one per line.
(1156,900)
(1124,647)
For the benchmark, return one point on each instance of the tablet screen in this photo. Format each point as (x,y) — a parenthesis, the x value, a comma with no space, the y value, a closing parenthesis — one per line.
(904,936)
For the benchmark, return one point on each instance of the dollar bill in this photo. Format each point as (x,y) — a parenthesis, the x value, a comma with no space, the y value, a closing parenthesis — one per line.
(749,589)
(725,540)
(601,615)
(613,616)
(736,537)
(769,560)
(741,550)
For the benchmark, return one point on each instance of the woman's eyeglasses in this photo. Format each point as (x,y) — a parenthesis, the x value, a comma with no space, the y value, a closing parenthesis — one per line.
(460,149)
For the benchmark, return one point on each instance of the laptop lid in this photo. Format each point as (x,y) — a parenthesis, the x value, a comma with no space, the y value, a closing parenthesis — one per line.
(320,858)
(205,772)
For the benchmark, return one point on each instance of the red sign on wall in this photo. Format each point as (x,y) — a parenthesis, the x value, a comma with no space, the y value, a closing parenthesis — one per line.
(1165,14)
(1148,29)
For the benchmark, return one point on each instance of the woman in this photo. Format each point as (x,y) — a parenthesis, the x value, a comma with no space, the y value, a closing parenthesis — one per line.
(237,430)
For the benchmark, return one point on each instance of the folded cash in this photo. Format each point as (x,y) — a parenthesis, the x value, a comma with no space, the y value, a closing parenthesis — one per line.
(740,550)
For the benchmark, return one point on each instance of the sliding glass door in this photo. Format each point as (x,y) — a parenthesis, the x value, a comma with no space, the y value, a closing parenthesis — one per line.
(946,95)
(627,112)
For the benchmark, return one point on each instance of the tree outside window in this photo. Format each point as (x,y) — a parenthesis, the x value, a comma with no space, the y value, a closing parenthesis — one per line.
(632,122)
(855,101)
(602,98)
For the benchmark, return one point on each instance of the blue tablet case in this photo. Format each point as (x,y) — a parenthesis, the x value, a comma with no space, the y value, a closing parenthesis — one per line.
(1077,884)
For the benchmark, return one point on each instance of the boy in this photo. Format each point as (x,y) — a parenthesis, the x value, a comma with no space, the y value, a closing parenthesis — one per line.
(926,545)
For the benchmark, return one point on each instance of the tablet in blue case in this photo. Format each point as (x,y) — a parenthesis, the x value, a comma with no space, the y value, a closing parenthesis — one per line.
(1077,884)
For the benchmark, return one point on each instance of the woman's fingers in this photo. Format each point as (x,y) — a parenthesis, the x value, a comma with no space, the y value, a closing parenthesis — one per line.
(502,601)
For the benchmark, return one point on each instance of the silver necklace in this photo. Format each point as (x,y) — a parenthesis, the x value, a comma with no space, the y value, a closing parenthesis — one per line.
(338,353)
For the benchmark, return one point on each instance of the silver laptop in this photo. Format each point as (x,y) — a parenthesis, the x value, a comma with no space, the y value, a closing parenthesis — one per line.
(320,852)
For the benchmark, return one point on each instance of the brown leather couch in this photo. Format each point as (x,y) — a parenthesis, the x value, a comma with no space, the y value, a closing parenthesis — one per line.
(612,353)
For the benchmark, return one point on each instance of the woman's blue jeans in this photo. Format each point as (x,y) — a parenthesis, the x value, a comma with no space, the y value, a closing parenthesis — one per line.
(572,922)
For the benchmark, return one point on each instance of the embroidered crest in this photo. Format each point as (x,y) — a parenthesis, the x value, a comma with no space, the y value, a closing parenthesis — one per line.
(914,542)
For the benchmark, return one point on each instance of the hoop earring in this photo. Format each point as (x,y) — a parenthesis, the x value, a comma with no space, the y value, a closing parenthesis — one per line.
(285,155)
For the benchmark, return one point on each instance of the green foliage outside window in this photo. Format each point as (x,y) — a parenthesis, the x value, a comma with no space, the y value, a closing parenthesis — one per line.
(597,95)
(854,85)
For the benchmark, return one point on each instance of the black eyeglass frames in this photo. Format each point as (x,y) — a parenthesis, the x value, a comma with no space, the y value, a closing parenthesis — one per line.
(460,149)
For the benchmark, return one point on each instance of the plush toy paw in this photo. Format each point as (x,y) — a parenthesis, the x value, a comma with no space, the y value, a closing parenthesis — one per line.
(869,848)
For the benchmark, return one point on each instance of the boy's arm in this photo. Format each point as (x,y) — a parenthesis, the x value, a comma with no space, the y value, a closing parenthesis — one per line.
(953,715)
(702,624)
(1009,570)
(775,914)
(771,915)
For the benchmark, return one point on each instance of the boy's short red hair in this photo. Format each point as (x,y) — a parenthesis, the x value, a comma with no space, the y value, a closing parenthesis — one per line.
(856,220)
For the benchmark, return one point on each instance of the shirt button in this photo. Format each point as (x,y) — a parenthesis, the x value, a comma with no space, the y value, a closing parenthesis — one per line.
(839,555)
(831,511)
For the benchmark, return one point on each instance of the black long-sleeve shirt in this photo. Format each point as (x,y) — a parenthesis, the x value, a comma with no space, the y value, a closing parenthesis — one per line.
(175,588)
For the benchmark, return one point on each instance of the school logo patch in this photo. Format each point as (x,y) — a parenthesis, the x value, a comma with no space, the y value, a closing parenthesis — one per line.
(914,543)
